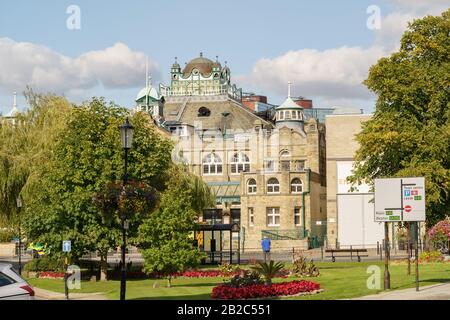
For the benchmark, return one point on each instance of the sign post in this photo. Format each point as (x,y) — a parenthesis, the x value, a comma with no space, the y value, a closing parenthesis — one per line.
(66,248)
(400,199)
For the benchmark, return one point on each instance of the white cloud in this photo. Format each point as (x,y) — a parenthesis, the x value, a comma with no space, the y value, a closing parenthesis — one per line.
(335,75)
(116,67)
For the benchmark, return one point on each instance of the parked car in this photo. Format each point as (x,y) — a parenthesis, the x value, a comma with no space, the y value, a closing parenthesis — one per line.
(12,286)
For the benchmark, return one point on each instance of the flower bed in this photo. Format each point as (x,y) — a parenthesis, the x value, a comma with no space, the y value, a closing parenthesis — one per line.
(264,291)
(204,274)
(51,275)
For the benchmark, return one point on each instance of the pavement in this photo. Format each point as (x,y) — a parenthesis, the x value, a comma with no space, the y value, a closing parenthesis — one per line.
(41,294)
(439,291)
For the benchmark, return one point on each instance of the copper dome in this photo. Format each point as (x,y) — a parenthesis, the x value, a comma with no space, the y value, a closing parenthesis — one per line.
(203,65)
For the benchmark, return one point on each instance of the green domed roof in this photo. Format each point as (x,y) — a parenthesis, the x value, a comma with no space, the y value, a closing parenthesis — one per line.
(150,91)
(289,104)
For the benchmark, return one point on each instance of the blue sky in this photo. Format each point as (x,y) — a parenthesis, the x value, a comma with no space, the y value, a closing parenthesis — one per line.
(266,44)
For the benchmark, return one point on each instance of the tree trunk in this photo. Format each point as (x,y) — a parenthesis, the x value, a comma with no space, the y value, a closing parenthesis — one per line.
(104,267)
(169,282)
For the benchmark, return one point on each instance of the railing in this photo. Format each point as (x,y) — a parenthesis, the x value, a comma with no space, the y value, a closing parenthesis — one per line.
(295,234)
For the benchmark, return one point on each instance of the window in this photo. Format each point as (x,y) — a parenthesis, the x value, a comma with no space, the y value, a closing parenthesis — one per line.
(236,216)
(294,114)
(269,166)
(5,280)
(297,217)
(296,185)
(251,186)
(273,186)
(240,163)
(204,112)
(299,165)
(285,165)
(251,217)
(281,115)
(288,115)
(273,217)
(212,164)
(212,216)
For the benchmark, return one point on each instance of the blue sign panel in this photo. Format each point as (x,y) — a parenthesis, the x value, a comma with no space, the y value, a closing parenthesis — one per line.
(67,244)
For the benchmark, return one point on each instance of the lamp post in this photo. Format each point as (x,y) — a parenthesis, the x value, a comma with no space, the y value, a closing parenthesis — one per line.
(126,136)
(19,207)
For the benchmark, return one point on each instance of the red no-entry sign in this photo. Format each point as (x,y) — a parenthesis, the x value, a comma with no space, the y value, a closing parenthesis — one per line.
(408,208)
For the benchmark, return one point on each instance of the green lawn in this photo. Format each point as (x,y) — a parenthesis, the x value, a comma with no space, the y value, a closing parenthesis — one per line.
(340,280)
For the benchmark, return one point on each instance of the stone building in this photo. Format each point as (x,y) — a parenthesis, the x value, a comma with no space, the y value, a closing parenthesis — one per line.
(268,175)
(350,210)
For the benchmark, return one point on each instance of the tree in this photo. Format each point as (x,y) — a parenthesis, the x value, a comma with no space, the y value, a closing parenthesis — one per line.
(26,144)
(85,158)
(166,237)
(409,133)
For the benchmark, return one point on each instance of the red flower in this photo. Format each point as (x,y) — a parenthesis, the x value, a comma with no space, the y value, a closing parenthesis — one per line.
(50,274)
(261,290)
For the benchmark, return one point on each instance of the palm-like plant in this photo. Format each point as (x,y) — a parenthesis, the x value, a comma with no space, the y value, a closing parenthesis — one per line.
(268,270)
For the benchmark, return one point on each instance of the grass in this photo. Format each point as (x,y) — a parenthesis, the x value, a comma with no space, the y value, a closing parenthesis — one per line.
(340,280)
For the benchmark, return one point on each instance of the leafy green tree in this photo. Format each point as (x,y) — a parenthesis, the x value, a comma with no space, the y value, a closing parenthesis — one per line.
(85,158)
(166,237)
(409,133)
(25,146)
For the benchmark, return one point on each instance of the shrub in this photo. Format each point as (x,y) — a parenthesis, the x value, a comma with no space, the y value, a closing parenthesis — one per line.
(440,235)
(268,270)
(431,256)
(245,278)
(227,268)
(225,291)
(302,268)
(45,263)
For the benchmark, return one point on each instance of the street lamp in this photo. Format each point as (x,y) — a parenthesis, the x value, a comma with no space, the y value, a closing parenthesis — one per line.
(126,136)
(19,207)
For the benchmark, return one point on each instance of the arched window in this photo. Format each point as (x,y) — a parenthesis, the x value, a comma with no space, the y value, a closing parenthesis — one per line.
(296,185)
(204,112)
(281,115)
(240,163)
(212,164)
(251,186)
(273,186)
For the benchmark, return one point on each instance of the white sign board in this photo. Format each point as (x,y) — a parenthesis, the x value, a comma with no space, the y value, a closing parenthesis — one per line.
(399,199)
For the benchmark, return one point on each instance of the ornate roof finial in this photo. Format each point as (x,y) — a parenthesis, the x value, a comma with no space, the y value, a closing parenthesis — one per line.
(289,89)
(217,58)
(176,59)
(15,100)
(201,54)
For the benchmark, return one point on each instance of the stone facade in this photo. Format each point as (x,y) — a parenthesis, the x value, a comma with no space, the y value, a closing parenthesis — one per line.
(230,146)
